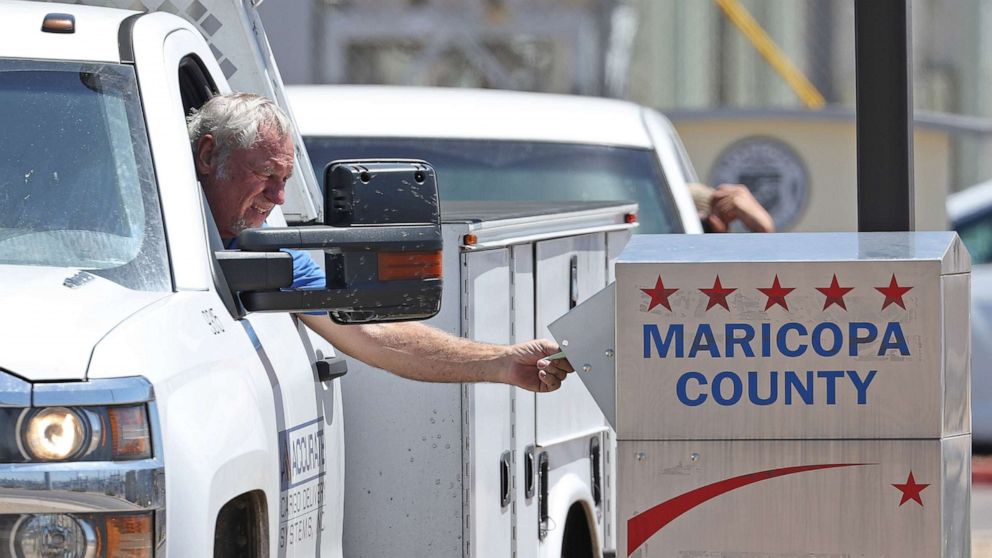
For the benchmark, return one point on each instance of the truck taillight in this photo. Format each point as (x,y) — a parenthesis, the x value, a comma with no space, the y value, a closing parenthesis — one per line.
(397,266)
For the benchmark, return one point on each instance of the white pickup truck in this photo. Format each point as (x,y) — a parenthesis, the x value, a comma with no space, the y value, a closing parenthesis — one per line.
(157,397)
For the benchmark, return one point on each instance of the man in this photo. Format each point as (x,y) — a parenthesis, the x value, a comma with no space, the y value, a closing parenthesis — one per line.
(719,207)
(243,152)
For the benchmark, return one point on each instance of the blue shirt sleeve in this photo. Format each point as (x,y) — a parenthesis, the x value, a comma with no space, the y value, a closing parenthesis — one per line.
(306,273)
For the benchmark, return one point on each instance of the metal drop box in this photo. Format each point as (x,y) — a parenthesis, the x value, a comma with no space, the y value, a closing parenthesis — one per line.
(786,395)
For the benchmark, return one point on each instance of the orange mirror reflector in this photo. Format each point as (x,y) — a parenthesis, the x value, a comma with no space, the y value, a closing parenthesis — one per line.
(398,266)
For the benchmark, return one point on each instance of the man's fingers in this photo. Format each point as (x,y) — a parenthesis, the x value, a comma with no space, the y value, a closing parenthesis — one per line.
(554,368)
(549,380)
(562,364)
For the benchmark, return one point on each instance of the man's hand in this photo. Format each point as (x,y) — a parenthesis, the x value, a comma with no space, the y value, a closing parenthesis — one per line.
(526,367)
(735,201)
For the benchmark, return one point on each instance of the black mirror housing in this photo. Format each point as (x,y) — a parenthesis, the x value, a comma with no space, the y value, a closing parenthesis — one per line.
(382,246)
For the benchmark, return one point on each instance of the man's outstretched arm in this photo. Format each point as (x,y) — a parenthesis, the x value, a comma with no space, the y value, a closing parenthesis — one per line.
(420,352)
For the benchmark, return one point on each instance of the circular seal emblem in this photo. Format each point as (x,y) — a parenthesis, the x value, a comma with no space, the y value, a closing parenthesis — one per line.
(774,173)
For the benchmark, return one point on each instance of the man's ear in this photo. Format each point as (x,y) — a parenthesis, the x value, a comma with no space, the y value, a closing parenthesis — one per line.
(203,157)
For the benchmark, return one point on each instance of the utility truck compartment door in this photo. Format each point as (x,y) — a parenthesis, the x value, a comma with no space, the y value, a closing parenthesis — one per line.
(569,270)
(487,436)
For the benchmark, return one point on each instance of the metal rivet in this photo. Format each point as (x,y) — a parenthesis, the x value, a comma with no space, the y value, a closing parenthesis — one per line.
(640,456)
(609,353)
(586,367)
(564,342)
(694,457)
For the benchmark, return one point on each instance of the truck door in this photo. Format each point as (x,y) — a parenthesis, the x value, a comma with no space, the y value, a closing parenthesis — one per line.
(304,407)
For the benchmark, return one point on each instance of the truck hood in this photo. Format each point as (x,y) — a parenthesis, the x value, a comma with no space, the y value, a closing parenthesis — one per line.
(52,318)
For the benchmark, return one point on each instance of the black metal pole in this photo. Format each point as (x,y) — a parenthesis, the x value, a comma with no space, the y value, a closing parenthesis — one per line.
(883,45)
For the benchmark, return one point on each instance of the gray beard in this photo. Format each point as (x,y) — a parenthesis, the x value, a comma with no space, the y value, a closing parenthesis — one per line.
(239,225)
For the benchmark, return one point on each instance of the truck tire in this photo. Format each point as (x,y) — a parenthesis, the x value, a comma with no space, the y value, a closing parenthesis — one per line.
(577,540)
(241,530)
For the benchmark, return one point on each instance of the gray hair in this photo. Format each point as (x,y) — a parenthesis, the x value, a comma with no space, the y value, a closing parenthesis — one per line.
(234,121)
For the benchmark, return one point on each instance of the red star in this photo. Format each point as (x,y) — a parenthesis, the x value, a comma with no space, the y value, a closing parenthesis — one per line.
(911,490)
(893,293)
(835,294)
(718,294)
(776,294)
(659,295)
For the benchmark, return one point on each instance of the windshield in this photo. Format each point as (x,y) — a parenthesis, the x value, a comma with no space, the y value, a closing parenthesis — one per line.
(77,188)
(517,170)
(976,233)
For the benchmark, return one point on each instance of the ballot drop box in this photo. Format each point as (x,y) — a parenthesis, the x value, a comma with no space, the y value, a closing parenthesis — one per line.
(785,395)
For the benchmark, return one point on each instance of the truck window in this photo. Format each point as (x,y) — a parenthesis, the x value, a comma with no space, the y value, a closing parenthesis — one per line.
(77,188)
(519,170)
(195,84)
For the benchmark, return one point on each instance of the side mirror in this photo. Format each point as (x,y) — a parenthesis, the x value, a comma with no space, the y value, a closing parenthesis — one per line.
(381,244)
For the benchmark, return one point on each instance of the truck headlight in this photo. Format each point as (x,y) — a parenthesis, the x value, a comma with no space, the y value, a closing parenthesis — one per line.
(79,535)
(98,433)
(53,433)
(53,535)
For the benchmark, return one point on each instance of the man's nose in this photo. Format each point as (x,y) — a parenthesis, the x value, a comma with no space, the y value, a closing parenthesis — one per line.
(275,191)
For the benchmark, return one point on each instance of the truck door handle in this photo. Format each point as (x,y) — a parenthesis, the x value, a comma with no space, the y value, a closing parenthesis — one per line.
(542,496)
(504,479)
(595,471)
(331,367)
(530,472)
(573,282)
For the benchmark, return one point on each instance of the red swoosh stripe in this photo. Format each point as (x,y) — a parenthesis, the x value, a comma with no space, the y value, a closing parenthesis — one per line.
(643,525)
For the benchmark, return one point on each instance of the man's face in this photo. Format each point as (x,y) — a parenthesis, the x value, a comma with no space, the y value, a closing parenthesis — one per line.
(252,181)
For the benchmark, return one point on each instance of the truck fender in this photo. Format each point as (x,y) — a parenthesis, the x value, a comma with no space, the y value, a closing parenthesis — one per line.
(223,453)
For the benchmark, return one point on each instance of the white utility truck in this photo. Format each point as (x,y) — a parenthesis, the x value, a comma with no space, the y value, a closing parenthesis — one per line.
(156,395)
(488,469)
(501,147)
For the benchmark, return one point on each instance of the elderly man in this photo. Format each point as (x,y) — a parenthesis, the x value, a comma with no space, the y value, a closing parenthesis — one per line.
(243,152)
